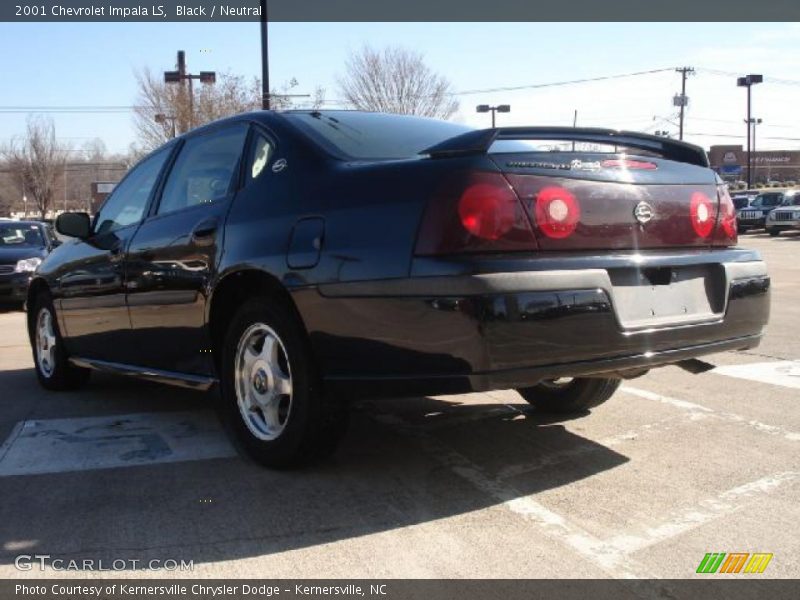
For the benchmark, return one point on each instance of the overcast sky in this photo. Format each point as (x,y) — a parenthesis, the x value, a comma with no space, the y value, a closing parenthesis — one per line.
(52,64)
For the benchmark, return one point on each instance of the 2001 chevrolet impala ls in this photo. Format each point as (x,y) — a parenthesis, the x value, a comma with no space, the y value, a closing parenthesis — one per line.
(301,259)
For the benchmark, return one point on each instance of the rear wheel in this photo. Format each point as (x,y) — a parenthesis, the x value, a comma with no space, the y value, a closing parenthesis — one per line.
(567,395)
(50,358)
(773,231)
(272,397)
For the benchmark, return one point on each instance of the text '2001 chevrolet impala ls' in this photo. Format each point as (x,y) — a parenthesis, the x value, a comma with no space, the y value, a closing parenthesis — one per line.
(298,260)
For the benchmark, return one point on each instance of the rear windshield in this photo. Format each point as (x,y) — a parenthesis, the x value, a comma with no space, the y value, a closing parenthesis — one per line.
(363,135)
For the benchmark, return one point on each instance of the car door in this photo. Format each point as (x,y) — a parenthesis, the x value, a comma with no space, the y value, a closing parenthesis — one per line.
(175,252)
(91,280)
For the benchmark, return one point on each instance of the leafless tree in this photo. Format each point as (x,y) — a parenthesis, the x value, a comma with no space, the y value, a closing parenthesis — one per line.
(36,161)
(396,80)
(230,95)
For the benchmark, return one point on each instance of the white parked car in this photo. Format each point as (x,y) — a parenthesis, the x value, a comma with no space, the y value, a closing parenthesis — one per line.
(786,216)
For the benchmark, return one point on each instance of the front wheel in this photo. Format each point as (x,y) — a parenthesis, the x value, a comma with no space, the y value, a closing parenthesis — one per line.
(272,399)
(566,395)
(773,231)
(53,369)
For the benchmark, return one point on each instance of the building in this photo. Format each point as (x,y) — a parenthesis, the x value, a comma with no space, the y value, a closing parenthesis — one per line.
(768,165)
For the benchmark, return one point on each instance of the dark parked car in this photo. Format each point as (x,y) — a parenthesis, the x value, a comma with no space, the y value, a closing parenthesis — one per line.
(23,245)
(755,215)
(298,260)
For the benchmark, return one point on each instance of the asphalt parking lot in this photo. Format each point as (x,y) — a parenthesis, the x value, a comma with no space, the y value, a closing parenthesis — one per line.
(673,467)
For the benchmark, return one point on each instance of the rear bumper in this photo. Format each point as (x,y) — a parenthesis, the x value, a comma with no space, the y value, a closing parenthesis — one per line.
(483,324)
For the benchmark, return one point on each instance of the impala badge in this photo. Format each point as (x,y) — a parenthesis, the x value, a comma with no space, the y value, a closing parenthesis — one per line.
(279,165)
(643,212)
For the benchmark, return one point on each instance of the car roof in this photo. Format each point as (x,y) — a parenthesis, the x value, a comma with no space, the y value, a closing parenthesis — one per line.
(25,222)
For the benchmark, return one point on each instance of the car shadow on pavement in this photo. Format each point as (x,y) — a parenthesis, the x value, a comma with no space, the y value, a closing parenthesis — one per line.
(403,463)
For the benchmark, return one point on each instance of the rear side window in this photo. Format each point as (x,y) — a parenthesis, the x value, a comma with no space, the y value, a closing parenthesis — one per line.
(363,135)
(204,169)
(260,154)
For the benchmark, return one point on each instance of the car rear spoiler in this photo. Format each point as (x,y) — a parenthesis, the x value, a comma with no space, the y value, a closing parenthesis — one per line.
(479,142)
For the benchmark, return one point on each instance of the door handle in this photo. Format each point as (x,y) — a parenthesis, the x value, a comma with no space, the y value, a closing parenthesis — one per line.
(205,230)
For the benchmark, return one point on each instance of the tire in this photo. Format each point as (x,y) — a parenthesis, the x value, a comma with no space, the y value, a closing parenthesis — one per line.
(773,232)
(575,396)
(272,399)
(50,358)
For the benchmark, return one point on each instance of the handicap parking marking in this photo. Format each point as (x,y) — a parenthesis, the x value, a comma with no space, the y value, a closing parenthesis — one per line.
(785,373)
(79,444)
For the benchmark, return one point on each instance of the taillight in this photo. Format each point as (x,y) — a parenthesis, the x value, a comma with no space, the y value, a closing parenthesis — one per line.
(727,228)
(557,212)
(474,212)
(488,210)
(702,214)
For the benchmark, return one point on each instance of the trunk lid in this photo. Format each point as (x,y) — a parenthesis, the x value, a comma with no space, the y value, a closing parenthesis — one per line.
(616,200)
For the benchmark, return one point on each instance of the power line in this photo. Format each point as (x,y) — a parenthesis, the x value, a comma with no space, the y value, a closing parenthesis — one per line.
(776,80)
(557,83)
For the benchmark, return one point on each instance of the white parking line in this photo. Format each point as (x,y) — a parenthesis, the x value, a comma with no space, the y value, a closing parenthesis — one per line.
(785,373)
(697,411)
(59,445)
(705,511)
(609,559)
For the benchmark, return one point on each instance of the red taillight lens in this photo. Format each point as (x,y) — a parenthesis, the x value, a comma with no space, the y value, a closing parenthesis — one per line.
(727,229)
(488,210)
(557,212)
(702,214)
(474,212)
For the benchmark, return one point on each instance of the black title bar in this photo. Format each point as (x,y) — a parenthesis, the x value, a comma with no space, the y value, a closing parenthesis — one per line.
(33,11)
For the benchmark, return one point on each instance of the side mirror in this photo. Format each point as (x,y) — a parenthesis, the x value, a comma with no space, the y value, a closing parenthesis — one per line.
(74,224)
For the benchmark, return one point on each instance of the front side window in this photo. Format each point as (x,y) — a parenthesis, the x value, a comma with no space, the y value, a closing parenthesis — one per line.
(204,170)
(127,203)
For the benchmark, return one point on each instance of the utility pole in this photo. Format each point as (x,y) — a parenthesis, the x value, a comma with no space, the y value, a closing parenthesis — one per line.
(264,57)
(574,124)
(754,160)
(682,100)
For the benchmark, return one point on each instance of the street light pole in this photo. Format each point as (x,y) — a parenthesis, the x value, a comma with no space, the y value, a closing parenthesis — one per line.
(484,108)
(181,76)
(749,81)
(264,57)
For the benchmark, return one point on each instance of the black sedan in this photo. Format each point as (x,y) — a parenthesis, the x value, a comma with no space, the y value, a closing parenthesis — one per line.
(298,260)
(23,246)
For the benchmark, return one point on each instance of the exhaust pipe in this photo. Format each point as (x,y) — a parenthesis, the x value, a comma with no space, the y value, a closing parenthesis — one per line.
(695,366)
